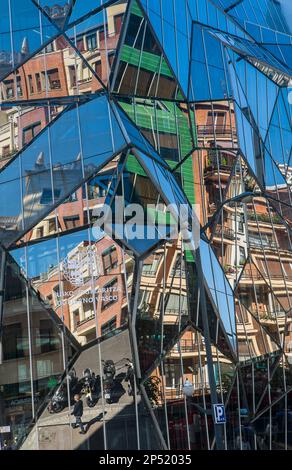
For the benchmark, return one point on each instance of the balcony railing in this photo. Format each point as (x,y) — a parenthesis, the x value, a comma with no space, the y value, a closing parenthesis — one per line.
(267,314)
(260,244)
(264,218)
(214,168)
(175,312)
(188,345)
(255,275)
(85,320)
(219,130)
(224,232)
(175,392)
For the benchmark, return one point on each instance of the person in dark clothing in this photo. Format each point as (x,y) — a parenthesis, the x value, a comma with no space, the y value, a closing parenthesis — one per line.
(78,412)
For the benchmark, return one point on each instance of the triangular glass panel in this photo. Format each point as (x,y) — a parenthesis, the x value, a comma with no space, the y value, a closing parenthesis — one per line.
(220,290)
(239,435)
(24,30)
(79,210)
(56,72)
(166,125)
(22,124)
(256,375)
(104,429)
(179,392)
(278,44)
(257,297)
(69,170)
(142,69)
(57,12)
(206,13)
(96,38)
(173,31)
(27,326)
(85,8)
(139,217)
(280,148)
(217,331)
(257,88)
(208,79)
(258,56)
(162,311)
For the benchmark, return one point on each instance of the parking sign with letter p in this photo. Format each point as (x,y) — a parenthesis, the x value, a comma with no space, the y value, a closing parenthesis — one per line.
(219,414)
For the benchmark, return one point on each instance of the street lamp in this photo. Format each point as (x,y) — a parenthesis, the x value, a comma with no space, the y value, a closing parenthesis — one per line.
(188,389)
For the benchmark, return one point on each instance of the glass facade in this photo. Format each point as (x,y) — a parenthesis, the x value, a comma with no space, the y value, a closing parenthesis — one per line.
(177,115)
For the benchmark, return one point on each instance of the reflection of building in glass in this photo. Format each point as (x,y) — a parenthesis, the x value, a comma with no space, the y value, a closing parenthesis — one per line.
(162,108)
(88,289)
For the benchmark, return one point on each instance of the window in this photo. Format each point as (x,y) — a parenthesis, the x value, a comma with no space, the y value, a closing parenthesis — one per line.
(72,221)
(217,120)
(172,374)
(30,132)
(9,86)
(98,68)
(118,19)
(150,268)
(72,75)
(109,326)
(38,82)
(175,304)
(18,86)
(54,80)
(76,318)
(30,84)
(242,257)
(40,232)
(91,41)
(240,223)
(109,293)
(47,339)
(178,269)
(13,341)
(143,302)
(47,196)
(52,225)
(110,259)
(5,150)
(49,48)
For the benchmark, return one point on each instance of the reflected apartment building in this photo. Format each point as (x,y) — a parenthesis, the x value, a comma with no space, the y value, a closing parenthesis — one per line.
(96,302)
(159,107)
(248,238)
(56,71)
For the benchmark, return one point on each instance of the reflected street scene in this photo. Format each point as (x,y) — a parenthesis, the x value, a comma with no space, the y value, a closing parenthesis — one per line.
(145,225)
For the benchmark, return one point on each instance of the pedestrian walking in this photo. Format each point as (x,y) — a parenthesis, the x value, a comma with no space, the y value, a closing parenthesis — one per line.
(78,413)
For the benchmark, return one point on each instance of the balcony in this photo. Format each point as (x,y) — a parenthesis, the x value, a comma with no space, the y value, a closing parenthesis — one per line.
(224,232)
(262,244)
(85,320)
(264,218)
(188,346)
(209,130)
(176,312)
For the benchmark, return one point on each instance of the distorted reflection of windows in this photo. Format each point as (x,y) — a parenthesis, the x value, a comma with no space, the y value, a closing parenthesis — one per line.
(109,293)
(91,41)
(109,326)
(110,259)
(71,221)
(47,196)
